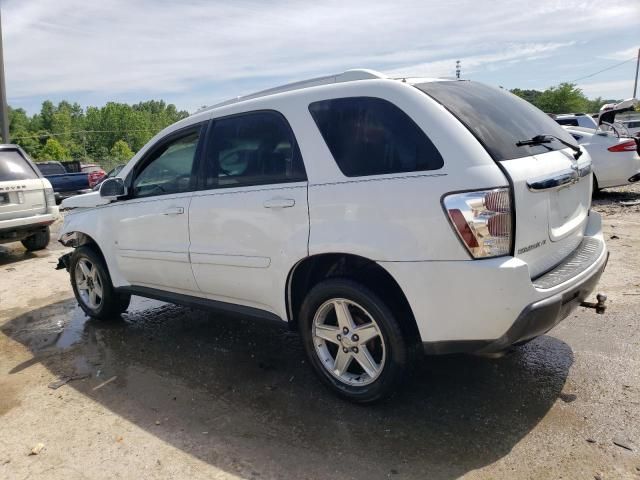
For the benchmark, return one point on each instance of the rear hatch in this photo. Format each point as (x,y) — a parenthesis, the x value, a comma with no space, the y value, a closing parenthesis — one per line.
(551,189)
(21,188)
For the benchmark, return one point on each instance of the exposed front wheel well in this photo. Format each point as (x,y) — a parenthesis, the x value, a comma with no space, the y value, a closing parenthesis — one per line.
(79,239)
(312,270)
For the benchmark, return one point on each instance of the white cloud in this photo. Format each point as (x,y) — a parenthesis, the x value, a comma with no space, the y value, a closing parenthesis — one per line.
(203,50)
(624,54)
(617,89)
(510,54)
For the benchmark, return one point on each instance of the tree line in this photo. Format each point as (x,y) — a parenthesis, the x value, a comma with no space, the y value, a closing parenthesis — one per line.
(563,98)
(111,134)
(106,135)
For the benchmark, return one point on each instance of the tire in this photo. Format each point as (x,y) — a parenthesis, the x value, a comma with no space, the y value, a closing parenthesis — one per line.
(92,285)
(37,241)
(387,350)
(596,189)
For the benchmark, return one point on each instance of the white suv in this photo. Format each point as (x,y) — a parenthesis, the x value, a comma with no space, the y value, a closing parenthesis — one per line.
(375,215)
(27,202)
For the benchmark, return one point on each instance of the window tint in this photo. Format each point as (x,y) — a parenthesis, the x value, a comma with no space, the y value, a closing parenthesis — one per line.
(498,119)
(170,168)
(567,121)
(14,167)
(371,136)
(51,168)
(252,149)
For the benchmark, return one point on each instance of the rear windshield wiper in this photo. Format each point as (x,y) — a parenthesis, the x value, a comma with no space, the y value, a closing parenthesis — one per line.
(541,139)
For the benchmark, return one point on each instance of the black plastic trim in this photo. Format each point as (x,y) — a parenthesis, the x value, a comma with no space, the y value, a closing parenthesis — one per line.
(198,302)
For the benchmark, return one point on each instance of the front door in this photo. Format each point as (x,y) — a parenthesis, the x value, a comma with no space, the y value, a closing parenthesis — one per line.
(152,226)
(250,223)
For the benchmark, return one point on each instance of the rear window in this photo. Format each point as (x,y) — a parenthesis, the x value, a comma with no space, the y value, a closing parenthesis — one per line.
(51,168)
(497,118)
(567,121)
(371,136)
(14,167)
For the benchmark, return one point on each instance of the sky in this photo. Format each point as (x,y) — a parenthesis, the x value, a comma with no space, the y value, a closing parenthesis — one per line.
(198,52)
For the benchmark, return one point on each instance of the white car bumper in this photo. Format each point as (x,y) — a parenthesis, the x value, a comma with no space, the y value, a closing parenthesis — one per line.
(487,305)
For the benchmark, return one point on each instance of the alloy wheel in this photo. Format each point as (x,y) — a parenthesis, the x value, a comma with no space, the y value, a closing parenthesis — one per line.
(89,283)
(348,342)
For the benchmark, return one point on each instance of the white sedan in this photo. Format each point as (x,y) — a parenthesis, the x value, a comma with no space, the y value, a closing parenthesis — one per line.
(616,160)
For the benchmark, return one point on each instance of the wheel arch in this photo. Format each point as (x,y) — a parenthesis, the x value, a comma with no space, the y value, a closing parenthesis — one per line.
(313,269)
(77,239)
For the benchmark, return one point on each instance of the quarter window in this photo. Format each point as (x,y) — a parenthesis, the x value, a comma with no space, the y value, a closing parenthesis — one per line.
(371,136)
(252,149)
(170,168)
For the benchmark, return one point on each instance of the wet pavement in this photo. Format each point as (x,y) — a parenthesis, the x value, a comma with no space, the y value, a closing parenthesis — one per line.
(257,391)
(174,392)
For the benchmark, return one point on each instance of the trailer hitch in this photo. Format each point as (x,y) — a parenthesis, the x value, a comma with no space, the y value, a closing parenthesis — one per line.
(599,306)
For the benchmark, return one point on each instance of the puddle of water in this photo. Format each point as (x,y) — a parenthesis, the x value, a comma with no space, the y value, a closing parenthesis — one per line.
(72,332)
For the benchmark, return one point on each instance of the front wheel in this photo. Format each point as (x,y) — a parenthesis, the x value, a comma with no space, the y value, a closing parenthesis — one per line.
(92,285)
(353,340)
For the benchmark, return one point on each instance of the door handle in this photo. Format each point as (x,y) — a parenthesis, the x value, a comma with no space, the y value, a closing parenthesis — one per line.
(279,203)
(174,211)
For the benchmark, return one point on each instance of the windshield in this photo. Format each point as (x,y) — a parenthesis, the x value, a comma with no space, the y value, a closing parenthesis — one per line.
(14,167)
(497,118)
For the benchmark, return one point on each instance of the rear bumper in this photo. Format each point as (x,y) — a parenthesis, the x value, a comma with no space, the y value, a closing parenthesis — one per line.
(540,317)
(487,305)
(19,228)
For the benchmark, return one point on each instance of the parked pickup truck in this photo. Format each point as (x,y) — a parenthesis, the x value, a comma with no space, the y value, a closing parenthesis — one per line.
(64,184)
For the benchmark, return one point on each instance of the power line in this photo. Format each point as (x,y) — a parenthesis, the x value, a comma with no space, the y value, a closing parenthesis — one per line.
(39,135)
(603,70)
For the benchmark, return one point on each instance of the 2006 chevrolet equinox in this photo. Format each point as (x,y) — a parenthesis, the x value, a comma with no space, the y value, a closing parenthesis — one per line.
(376,215)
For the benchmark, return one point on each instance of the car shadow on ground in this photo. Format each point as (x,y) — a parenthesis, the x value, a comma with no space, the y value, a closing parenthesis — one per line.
(615,197)
(238,394)
(13,253)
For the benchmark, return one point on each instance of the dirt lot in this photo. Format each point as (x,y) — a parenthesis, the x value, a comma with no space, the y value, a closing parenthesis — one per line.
(172,392)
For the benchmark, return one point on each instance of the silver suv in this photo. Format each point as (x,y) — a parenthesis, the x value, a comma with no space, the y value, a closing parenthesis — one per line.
(27,202)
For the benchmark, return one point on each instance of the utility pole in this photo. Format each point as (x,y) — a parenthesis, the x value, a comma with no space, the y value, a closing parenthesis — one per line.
(4,115)
(635,84)
(458,68)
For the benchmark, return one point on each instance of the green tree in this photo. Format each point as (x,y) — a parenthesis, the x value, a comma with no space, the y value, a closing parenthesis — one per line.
(530,96)
(121,151)
(565,98)
(53,150)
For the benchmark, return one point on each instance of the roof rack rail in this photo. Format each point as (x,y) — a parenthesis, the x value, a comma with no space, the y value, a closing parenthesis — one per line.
(348,76)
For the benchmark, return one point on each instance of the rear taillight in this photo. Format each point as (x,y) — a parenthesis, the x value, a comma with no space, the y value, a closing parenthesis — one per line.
(50,197)
(629,146)
(482,220)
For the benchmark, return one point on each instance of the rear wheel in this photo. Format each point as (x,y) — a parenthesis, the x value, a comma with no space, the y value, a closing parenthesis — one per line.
(353,340)
(37,241)
(92,285)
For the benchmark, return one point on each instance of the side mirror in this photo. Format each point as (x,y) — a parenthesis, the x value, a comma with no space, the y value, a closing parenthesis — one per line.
(113,188)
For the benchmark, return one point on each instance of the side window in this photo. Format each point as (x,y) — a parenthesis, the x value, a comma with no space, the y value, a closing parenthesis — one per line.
(252,149)
(371,136)
(169,169)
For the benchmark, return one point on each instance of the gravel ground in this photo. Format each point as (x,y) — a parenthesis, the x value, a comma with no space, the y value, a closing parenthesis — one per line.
(171,392)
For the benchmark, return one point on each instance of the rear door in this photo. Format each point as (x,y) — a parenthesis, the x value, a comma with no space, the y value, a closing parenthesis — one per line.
(250,222)
(21,189)
(551,189)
